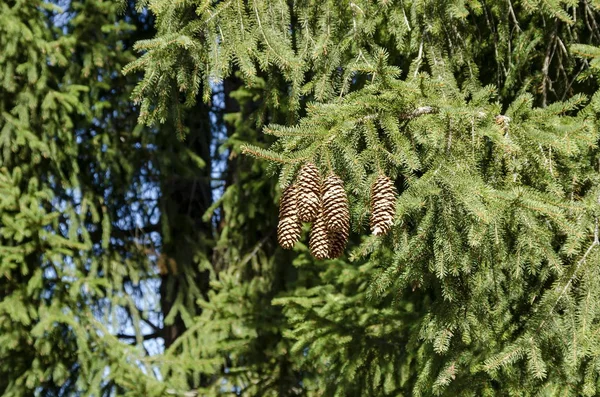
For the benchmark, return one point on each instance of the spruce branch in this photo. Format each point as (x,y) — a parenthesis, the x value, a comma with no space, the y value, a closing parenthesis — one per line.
(269,155)
(581,261)
(282,131)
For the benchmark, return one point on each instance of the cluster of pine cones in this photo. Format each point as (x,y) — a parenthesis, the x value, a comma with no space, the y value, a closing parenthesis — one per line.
(325,203)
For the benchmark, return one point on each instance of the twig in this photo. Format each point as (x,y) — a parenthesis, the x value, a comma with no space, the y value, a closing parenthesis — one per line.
(256,248)
(583,65)
(512,14)
(405,18)
(545,68)
(595,28)
(419,56)
(153,335)
(449,145)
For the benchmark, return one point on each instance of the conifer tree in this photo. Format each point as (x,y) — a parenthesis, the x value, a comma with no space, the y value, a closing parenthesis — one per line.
(78,228)
(484,116)
(452,150)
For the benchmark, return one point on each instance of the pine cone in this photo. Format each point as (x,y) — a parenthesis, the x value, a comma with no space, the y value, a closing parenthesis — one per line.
(309,199)
(337,243)
(289,226)
(383,203)
(319,240)
(288,204)
(335,205)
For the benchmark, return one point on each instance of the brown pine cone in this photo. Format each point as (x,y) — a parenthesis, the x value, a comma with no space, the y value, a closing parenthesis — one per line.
(289,227)
(335,205)
(309,198)
(383,204)
(337,243)
(319,240)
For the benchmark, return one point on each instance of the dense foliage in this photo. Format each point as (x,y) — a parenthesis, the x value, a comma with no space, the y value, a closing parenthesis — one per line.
(77,193)
(114,235)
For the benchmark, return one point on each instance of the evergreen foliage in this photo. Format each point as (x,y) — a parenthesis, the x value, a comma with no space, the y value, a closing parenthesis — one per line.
(485,116)
(75,203)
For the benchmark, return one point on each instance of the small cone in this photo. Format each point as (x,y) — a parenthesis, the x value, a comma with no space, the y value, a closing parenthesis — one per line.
(337,243)
(319,240)
(383,203)
(309,198)
(289,227)
(335,205)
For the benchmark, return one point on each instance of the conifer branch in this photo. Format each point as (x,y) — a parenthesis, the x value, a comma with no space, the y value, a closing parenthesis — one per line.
(269,155)
(581,261)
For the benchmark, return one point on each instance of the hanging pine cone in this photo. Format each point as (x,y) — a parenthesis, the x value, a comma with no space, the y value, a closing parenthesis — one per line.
(309,198)
(288,204)
(335,205)
(289,226)
(383,202)
(337,243)
(319,239)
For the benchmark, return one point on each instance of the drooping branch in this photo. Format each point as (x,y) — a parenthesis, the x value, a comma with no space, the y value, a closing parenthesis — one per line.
(581,261)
